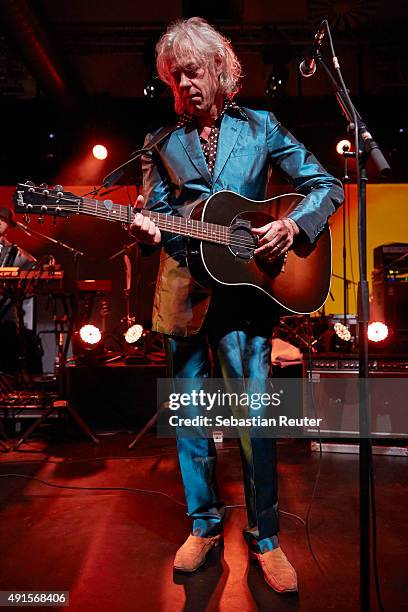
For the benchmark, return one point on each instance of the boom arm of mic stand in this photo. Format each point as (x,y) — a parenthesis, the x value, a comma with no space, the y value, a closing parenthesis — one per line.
(37,234)
(113,177)
(116,174)
(125,249)
(371,148)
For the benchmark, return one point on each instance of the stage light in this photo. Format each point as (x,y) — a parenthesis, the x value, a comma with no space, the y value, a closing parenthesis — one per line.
(88,345)
(342,146)
(100,152)
(342,331)
(90,334)
(133,333)
(277,81)
(153,87)
(377,331)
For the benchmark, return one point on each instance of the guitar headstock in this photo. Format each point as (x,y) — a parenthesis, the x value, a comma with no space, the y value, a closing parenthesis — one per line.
(43,200)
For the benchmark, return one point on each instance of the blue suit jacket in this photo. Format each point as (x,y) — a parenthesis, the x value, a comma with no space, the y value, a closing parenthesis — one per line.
(176,178)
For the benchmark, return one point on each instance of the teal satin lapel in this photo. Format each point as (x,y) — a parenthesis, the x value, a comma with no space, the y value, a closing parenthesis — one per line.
(230,130)
(191,143)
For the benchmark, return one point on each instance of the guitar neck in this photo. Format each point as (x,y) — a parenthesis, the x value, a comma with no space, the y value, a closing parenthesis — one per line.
(191,228)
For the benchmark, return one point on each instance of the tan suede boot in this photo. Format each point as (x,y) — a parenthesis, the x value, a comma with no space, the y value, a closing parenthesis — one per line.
(277,570)
(193,553)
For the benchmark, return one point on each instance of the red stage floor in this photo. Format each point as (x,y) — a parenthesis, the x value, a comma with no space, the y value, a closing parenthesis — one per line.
(113,549)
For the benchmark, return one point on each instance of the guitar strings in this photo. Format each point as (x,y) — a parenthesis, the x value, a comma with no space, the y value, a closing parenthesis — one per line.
(217,235)
(214,235)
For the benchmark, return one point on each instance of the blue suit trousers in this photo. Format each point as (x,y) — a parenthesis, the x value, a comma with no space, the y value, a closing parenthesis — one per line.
(238,350)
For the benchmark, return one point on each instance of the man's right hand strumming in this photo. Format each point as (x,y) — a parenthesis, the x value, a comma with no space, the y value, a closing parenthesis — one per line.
(143,228)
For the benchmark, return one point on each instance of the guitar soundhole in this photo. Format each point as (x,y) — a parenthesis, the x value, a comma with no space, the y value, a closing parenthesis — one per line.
(242,241)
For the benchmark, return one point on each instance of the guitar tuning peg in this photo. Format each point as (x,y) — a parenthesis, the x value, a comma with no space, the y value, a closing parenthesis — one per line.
(31,186)
(58,188)
(45,189)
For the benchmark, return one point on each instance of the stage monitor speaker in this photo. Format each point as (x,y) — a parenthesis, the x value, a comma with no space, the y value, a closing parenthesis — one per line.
(115,394)
(390,303)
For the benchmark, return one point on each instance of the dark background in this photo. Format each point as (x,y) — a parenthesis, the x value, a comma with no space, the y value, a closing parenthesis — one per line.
(73,73)
(78,69)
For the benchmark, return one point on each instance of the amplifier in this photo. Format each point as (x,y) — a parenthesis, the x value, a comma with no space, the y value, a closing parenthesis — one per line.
(336,394)
(386,254)
(341,364)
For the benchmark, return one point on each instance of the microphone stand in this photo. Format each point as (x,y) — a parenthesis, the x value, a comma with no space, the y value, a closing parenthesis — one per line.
(77,254)
(365,147)
(128,319)
(346,180)
(60,404)
(36,234)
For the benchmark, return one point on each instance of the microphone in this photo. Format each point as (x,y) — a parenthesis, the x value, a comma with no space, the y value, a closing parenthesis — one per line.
(308,66)
(113,177)
(116,174)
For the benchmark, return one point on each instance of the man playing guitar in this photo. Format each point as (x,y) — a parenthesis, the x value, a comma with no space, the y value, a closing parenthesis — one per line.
(218,145)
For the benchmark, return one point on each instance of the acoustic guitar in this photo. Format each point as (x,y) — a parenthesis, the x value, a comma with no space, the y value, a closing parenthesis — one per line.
(221,246)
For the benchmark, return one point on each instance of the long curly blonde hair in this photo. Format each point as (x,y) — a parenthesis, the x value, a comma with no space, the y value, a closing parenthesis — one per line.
(195,39)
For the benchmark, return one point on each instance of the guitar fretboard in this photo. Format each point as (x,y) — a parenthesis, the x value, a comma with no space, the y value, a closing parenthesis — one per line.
(201,230)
